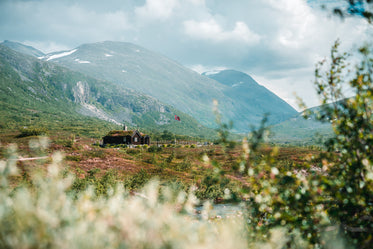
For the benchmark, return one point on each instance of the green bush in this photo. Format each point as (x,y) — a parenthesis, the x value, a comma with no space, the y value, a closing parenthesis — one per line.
(75,158)
(101,185)
(185,165)
(137,181)
(152,159)
(32,131)
(154,148)
(335,203)
(97,152)
(133,151)
(170,157)
(350,173)
(215,186)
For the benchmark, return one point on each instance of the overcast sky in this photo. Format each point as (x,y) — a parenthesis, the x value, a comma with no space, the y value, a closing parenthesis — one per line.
(277,42)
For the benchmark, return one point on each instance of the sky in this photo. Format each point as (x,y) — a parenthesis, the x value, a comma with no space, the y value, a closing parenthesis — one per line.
(277,42)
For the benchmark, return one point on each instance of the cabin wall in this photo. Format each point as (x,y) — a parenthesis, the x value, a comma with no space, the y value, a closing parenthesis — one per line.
(146,140)
(113,140)
(136,139)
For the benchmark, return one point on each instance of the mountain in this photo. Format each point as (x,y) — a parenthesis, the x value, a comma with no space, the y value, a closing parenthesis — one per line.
(36,92)
(137,68)
(251,99)
(298,130)
(19,47)
(134,67)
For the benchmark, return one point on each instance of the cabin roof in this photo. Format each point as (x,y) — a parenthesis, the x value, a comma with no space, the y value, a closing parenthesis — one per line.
(118,133)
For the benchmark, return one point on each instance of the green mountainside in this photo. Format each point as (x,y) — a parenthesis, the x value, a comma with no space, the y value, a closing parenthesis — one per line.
(298,130)
(258,99)
(38,93)
(136,68)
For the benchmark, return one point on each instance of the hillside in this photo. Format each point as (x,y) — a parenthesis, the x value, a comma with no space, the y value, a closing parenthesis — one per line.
(38,93)
(258,99)
(19,47)
(137,68)
(298,130)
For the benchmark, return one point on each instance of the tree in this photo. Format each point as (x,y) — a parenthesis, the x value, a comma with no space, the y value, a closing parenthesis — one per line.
(356,8)
(337,201)
(350,163)
(167,135)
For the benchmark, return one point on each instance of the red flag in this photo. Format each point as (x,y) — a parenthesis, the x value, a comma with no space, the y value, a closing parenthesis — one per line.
(177,118)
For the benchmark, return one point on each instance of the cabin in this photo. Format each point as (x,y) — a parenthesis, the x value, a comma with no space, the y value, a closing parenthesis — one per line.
(133,137)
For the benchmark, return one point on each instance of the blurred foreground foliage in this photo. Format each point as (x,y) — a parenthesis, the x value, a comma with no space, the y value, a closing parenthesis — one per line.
(332,197)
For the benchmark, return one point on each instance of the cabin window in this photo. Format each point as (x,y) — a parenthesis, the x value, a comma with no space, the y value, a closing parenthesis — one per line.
(125,139)
(136,139)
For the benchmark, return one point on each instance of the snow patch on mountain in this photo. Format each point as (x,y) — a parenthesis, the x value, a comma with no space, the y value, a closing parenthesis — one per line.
(82,62)
(55,56)
(211,72)
(237,84)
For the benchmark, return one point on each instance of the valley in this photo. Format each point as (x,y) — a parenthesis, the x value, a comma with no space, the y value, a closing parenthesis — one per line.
(183,164)
(240,140)
(184,124)
(74,104)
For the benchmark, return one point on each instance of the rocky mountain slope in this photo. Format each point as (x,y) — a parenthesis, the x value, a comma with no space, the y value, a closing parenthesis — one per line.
(32,89)
(134,67)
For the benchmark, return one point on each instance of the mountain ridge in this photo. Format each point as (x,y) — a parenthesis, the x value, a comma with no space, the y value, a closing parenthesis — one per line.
(40,88)
(132,66)
(262,101)
(29,50)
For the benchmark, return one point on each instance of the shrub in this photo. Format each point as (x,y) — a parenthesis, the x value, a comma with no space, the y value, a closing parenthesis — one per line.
(75,158)
(215,186)
(133,151)
(99,153)
(137,181)
(170,157)
(337,201)
(47,215)
(350,173)
(152,159)
(154,148)
(32,131)
(185,165)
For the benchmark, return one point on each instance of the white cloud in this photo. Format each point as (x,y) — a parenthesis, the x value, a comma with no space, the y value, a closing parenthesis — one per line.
(46,46)
(156,9)
(210,30)
(197,2)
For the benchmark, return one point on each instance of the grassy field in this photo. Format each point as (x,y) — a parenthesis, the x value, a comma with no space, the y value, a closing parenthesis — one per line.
(211,168)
